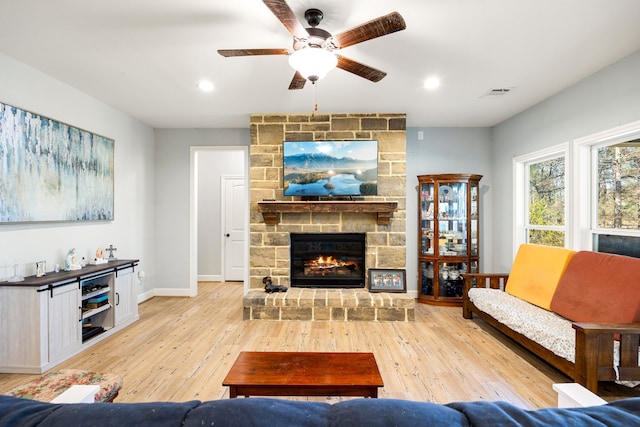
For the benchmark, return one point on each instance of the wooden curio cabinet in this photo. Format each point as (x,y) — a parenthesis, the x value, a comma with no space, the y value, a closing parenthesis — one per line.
(448,233)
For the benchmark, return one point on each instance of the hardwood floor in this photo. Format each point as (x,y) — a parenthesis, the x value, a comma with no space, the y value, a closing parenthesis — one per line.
(182,348)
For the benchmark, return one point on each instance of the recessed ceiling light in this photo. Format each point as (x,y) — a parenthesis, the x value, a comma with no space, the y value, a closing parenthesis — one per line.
(205,86)
(432,83)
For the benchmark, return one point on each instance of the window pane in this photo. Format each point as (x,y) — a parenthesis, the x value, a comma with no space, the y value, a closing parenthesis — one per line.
(546,237)
(621,245)
(618,192)
(546,192)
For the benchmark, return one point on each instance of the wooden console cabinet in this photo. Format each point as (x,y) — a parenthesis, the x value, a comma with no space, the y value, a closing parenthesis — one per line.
(46,320)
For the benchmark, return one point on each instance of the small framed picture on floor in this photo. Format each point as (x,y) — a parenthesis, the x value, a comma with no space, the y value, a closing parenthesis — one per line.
(387,280)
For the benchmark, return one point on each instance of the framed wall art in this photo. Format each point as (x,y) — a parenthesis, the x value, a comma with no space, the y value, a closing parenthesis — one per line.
(52,171)
(41,268)
(387,280)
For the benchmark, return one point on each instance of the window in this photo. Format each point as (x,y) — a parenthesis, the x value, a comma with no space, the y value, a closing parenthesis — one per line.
(586,198)
(615,214)
(606,192)
(618,186)
(545,225)
(540,197)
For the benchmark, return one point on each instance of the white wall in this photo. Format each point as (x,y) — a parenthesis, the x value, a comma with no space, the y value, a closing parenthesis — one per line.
(131,231)
(172,225)
(471,154)
(212,166)
(602,101)
(448,150)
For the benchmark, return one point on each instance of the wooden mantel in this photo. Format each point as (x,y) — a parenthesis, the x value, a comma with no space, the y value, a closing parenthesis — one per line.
(383,210)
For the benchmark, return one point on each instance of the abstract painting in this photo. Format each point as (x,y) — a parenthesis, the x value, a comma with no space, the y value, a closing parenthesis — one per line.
(51,171)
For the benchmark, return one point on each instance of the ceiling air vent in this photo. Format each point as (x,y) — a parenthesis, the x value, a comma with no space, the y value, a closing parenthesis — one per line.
(497,92)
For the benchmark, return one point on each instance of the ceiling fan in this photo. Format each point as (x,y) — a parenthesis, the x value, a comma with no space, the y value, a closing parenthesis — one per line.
(314,45)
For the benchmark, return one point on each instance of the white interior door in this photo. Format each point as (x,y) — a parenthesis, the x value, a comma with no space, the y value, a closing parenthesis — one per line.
(233,228)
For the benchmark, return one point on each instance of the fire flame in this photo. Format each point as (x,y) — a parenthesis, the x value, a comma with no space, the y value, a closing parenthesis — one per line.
(329,266)
(328,262)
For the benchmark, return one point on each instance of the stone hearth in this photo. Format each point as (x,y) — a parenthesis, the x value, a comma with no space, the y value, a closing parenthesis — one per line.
(328,305)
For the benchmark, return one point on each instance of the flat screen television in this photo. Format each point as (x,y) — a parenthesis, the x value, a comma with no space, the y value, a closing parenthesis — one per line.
(330,168)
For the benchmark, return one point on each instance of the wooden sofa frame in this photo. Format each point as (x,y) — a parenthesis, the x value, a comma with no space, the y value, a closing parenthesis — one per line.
(594,341)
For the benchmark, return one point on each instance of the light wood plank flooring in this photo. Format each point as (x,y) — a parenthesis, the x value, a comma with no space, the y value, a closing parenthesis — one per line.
(182,348)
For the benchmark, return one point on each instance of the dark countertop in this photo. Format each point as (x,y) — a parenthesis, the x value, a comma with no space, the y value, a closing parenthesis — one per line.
(67,276)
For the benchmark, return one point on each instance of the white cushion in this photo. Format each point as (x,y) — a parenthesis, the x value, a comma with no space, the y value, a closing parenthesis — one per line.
(546,328)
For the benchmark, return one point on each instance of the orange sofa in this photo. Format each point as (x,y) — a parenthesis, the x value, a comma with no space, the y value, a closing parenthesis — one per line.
(579,311)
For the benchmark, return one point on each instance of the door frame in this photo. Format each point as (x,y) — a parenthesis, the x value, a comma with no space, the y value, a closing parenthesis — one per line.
(193,213)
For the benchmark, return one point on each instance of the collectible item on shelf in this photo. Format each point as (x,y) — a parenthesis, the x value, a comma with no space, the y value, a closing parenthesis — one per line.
(71,263)
(98,258)
(16,277)
(41,268)
(111,250)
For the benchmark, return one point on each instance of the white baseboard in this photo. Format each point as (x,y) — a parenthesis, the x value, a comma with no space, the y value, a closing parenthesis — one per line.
(171,292)
(163,292)
(175,292)
(210,278)
(146,296)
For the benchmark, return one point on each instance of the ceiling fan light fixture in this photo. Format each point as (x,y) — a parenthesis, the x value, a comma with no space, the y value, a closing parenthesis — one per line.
(313,63)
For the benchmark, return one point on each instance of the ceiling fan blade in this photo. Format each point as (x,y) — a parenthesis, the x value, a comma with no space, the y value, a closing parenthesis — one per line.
(297,82)
(360,69)
(381,26)
(252,52)
(283,12)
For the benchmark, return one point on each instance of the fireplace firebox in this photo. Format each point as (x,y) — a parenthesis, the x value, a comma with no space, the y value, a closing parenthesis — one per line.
(327,260)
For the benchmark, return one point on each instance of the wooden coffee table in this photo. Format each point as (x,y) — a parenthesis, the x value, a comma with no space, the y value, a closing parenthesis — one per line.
(257,373)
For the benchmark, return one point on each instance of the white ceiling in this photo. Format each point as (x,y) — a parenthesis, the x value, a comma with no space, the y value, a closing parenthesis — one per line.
(145,57)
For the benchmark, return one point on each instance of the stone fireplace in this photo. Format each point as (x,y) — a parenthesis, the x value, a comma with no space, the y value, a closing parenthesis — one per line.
(384,233)
(327,260)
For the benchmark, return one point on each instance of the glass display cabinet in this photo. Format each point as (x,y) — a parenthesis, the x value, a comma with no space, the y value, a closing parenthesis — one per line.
(448,235)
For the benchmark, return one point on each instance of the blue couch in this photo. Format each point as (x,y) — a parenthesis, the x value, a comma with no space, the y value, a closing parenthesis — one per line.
(16,412)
